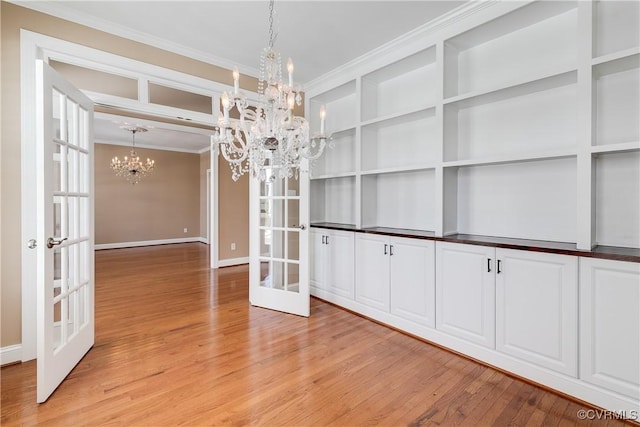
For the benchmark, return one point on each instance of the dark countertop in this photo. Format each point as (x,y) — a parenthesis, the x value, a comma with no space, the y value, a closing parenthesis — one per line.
(604,252)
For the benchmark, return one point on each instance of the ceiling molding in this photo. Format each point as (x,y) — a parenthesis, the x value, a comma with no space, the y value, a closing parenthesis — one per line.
(59,11)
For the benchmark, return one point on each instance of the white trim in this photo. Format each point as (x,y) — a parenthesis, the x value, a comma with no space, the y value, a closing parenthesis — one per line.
(233,261)
(208,201)
(120,245)
(54,9)
(38,46)
(10,354)
(213,200)
(203,240)
(29,52)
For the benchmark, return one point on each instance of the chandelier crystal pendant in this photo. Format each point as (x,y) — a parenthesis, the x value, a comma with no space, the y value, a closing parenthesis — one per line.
(267,140)
(131,168)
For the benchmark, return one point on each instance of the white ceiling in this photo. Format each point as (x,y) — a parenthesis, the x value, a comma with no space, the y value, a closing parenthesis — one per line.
(318,35)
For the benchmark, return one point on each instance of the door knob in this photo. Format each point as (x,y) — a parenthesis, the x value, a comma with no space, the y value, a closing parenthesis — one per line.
(303,227)
(51,242)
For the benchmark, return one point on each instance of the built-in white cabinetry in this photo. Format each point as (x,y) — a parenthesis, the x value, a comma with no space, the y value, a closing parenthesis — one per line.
(331,268)
(537,308)
(372,271)
(520,121)
(610,325)
(523,303)
(510,121)
(465,292)
(396,275)
(412,279)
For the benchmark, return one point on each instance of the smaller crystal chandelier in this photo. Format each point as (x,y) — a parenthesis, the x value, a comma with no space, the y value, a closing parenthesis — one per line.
(268,140)
(131,168)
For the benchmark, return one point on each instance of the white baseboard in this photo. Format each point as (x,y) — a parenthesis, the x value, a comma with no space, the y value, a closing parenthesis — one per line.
(233,261)
(10,354)
(148,243)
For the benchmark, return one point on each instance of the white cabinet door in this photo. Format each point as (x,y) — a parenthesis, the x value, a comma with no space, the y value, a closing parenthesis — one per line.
(339,270)
(317,257)
(413,280)
(372,271)
(465,292)
(537,308)
(610,325)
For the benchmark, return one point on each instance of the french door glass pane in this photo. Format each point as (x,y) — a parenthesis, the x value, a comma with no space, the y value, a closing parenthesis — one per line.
(272,213)
(293,278)
(271,243)
(56,104)
(293,245)
(293,213)
(57,324)
(72,170)
(72,122)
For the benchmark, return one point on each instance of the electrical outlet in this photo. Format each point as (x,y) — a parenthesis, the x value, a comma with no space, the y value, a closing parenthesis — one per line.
(233,246)
(185,229)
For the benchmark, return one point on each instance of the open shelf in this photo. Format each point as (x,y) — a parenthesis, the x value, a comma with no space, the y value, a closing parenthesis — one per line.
(512,158)
(525,200)
(617,87)
(340,159)
(616,26)
(404,141)
(616,148)
(534,40)
(405,85)
(340,105)
(618,199)
(526,119)
(399,200)
(333,200)
(492,114)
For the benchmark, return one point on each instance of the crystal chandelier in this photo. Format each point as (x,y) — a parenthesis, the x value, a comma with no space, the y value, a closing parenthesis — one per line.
(268,140)
(131,168)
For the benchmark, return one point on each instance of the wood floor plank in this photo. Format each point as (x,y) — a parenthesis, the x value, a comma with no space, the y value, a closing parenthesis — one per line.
(179,344)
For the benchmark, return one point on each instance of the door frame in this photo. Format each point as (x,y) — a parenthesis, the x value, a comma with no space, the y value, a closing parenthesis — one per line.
(38,46)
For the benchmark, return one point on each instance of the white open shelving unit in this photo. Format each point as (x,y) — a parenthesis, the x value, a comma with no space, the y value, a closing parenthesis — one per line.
(517,121)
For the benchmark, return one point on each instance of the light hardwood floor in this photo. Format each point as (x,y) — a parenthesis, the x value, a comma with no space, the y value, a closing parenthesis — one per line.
(178,343)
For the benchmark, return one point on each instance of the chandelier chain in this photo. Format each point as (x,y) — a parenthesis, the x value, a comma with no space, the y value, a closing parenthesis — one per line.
(272,35)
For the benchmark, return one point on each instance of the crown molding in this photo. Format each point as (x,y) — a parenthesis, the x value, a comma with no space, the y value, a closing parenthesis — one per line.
(58,10)
(400,47)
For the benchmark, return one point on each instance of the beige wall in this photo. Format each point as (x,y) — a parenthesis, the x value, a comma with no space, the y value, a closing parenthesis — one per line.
(233,213)
(160,207)
(13,18)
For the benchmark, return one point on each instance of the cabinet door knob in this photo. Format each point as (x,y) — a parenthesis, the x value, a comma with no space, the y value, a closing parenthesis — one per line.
(385,249)
(326,239)
(488,265)
(499,270)
(390,250)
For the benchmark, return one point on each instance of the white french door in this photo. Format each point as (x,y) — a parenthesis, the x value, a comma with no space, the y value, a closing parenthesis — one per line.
(279,243)
(65,239)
